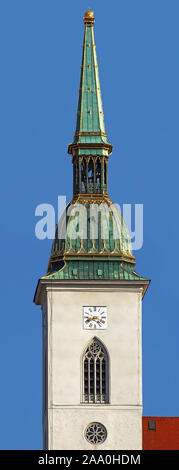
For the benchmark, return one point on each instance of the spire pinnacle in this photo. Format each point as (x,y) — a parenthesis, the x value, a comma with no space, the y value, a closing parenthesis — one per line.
(90,127)
(89,17)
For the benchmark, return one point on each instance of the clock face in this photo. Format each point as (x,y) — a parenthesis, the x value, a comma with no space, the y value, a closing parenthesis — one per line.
(95,318)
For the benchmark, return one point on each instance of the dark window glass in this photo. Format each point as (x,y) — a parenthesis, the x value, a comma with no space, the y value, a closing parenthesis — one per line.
(152,425)
(95,373)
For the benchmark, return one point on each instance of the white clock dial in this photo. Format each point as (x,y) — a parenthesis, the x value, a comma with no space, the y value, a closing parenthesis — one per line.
(95,318)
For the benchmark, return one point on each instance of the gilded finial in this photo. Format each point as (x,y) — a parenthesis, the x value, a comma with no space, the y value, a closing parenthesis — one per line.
(89,17)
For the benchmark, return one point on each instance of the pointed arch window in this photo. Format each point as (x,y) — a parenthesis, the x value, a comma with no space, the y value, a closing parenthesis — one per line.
(98,175)
(83,176)
(90,175)
(95,373)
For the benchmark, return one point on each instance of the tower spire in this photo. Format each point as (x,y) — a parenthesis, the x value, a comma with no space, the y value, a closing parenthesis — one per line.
(90,139)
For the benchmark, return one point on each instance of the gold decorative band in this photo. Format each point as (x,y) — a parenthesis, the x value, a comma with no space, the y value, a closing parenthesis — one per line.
(89,17)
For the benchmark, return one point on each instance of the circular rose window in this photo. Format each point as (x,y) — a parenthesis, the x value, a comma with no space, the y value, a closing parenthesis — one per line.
(95,433)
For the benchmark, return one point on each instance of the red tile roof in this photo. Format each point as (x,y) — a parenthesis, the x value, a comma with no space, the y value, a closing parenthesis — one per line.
(166,435)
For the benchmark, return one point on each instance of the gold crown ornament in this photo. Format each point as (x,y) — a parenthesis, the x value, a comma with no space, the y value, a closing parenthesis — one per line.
(89,17)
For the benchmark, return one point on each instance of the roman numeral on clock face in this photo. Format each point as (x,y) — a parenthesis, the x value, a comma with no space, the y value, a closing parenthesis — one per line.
(95,317)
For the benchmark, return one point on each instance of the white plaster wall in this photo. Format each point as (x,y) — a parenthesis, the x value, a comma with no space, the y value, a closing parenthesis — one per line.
(66,341)
(124,428)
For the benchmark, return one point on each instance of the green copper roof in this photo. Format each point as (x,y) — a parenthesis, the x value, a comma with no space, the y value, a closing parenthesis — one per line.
(81,270)
(90,116)
(91,241)
(90,230)
(90,127)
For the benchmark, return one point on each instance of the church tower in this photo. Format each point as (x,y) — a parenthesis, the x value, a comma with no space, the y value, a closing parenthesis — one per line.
(91,298)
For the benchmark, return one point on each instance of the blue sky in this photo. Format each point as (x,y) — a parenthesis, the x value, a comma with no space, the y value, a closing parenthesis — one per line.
(40,56)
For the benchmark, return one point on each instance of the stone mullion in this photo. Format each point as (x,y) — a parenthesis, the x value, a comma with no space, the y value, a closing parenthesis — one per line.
(106,163)
(101,391)
(94,174)
(89,381)
(74,174)
(102,175)
(87,161)
(75,178)
(106,381)
(79,174)
(83,390)
(95,398)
